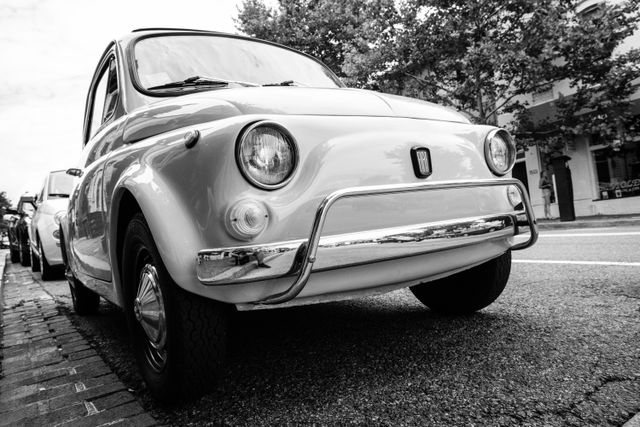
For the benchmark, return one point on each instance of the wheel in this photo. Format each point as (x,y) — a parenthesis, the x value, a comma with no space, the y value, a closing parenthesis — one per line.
(468,291)
(35,262)
(85,301)
(25,253)
(47,272)
(179,338)
(15,255)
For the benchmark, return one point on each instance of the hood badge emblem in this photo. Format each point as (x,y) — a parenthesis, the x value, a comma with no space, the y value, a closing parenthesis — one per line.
(421,159)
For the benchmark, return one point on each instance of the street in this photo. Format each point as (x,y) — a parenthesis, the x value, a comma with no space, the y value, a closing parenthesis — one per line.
(559,347)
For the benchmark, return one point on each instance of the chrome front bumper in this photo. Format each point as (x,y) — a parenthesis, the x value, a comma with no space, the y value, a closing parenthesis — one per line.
(297,258)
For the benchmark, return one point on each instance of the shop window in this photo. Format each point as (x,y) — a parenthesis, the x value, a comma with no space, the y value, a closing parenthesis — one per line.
(618,170)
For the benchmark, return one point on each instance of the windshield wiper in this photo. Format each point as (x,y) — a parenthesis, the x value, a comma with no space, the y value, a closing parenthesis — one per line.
(285,83)
(58,195)
(200,81)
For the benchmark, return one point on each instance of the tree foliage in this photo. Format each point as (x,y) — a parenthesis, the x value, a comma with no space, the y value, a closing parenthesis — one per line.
(324,29)
(481,57)
(4,204)
(601,77)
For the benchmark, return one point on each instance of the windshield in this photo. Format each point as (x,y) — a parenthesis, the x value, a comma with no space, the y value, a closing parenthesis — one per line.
(60,184)
(175,58)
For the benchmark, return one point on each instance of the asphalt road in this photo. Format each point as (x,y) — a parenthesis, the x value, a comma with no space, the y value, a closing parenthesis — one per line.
(560,347)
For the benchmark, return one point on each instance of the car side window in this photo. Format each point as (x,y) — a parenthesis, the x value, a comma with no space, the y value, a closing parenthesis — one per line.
(105,97)
(112,92)
(97,109)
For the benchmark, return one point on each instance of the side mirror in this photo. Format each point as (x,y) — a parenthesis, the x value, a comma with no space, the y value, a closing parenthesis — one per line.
(74,172)
(11,211)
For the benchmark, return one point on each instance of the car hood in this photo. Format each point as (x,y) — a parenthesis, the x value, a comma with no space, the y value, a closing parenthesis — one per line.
(187,110)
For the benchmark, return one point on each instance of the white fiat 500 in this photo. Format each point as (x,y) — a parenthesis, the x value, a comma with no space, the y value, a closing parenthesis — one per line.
(44,230)
(222,172)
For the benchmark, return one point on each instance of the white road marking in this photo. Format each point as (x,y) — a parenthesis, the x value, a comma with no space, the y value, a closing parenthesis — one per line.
(617,234)
(546,261)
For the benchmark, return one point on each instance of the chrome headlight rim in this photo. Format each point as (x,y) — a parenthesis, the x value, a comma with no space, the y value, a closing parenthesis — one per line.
(292,142)
(511,146)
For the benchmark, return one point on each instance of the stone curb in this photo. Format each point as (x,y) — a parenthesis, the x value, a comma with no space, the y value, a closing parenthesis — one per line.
(50,374)
(588,224)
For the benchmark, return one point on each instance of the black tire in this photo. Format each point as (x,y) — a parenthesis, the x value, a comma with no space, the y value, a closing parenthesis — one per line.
(184,359)
(47,272)
(15,255)
(468,291)
(85,301)
(35,262)
(25,253)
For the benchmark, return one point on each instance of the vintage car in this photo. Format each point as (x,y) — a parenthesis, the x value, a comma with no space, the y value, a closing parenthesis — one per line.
(222,172)
(18,230)
(44,232)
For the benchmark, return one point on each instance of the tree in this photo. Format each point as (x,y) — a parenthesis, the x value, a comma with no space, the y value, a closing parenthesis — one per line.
(4,204)
(324,29)
(602,78)
(601,81)
(480,57)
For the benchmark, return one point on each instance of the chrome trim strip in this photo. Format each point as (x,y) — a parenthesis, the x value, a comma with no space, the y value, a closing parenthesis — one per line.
(298,258)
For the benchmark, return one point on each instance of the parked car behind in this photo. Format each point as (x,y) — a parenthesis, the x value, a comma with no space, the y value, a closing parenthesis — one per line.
(18,230)
(224,172)
(51,205)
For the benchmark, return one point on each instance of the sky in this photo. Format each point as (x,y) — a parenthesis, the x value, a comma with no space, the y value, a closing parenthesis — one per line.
(48,52)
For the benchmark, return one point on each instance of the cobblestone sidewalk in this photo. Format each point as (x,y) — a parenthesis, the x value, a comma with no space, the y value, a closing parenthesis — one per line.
(50,375)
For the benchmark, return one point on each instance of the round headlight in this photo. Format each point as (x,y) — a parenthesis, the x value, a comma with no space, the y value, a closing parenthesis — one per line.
(499,151)
(267,155)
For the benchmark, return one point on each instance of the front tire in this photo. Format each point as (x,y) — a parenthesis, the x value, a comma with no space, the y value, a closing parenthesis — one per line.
(25,253)
(85,301)
(468,291)
(46,270)
(15,255)
(35,262)
(179,338)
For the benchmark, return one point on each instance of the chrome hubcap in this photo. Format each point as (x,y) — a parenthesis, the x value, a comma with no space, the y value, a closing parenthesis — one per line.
(148,309)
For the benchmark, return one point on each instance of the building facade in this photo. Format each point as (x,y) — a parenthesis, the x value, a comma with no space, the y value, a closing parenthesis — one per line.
(605,179)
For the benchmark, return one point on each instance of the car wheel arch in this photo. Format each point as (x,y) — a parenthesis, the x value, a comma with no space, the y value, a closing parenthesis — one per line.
(169,222)
(124,208)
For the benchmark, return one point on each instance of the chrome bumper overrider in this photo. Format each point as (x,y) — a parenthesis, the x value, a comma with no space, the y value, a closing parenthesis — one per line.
(297,258)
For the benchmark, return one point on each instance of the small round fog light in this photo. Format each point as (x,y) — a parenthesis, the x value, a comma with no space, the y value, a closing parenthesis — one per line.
(514,195)
(247,219)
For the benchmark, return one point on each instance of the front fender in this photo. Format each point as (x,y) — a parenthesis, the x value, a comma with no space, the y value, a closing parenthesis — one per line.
(168,219)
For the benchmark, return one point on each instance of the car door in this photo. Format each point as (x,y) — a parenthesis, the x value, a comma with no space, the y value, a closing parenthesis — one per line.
(87,213)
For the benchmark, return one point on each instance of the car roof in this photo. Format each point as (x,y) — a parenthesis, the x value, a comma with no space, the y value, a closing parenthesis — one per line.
(25,198)
(145,32)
